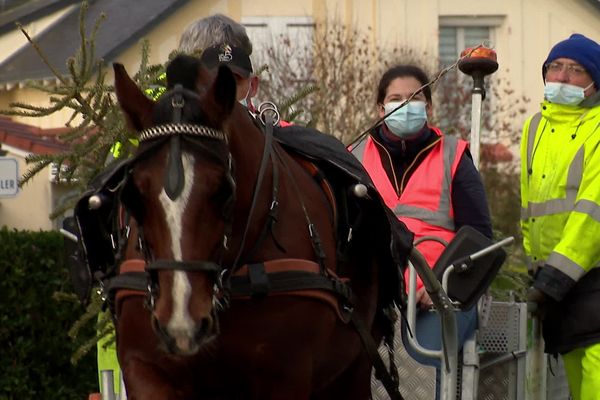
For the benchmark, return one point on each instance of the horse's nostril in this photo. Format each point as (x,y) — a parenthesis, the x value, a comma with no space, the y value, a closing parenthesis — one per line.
(206,325)
(164,336)
(204,328)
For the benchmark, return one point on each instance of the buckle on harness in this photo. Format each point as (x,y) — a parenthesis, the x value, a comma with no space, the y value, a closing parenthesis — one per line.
(259,280)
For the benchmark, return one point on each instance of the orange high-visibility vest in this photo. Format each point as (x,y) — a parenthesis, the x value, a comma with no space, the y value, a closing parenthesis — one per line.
(425,204)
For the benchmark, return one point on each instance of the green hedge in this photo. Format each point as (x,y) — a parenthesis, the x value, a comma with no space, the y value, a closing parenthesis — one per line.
(35,349)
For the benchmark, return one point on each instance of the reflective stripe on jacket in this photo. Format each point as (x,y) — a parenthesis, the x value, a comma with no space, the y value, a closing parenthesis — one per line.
(425,204)
(560,189)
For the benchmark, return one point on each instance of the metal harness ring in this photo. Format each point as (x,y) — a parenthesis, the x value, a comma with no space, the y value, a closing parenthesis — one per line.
(265,107)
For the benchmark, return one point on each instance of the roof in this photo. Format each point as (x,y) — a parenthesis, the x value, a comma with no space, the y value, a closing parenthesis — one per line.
(31,139)
(25,11)
(127,21)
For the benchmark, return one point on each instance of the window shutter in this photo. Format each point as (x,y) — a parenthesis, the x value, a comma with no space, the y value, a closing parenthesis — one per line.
(448,46)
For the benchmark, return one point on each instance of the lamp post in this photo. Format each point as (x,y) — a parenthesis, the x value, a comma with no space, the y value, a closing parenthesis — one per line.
(477,63)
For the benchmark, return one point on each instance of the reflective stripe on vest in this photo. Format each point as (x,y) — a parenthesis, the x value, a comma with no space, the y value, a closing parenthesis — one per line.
(533,125)
(546,219)
(574,177)
(441,217)
(359,150)
(429,209)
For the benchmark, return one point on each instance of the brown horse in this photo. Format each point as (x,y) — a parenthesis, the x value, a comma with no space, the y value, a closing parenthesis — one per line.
(202,189)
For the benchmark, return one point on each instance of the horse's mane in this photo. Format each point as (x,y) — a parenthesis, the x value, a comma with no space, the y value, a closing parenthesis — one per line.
(183,70)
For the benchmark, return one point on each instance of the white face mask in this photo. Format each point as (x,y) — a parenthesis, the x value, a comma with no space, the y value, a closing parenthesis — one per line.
(563,93)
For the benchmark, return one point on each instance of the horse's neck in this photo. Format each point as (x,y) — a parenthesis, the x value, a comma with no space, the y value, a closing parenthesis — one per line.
(246,142)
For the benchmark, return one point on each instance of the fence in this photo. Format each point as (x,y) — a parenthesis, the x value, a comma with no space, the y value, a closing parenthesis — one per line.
(498,364)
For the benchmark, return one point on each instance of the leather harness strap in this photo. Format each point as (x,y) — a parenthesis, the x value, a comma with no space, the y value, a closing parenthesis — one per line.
(321,179)
(292,277)
(283,277)
(132,280)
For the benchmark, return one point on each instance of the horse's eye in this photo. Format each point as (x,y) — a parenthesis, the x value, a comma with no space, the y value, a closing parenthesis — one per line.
(224,198)
(223,193)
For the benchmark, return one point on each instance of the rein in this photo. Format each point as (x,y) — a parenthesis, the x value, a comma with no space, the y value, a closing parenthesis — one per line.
(267,150)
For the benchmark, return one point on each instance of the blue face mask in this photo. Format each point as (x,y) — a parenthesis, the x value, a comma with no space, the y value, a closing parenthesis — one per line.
(406,121)
(563,93)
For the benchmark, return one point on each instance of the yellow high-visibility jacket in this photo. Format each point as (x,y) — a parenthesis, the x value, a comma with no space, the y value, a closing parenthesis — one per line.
(560,193)
(154,93)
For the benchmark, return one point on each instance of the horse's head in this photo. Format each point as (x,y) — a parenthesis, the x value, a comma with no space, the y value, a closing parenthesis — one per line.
(181,193)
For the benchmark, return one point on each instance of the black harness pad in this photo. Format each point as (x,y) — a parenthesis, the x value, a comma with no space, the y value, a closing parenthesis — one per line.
(342,169)
(97,226)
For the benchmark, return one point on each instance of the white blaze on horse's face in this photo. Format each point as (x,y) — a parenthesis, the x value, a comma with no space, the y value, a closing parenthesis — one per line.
(180,326)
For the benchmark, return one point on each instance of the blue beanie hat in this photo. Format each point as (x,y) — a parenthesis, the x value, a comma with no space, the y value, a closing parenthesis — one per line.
(581,49)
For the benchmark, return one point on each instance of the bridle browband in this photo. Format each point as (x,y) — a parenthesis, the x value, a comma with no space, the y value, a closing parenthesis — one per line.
(172,129)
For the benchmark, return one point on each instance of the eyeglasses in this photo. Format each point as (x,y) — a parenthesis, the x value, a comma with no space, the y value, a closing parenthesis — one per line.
(573,70)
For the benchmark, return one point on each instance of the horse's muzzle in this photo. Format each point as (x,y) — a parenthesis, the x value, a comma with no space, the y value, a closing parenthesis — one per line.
(187,343)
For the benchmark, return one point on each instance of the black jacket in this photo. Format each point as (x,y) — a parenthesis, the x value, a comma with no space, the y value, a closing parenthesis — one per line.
(574,321)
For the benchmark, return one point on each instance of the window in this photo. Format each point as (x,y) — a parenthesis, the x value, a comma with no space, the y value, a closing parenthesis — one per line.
(455,39)
(453,93)
(267,33)
(458,33)
(285,46)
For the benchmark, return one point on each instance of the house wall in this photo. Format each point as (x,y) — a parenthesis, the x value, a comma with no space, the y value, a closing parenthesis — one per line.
(32,205)
(525,30)
(39,99)
(528,31)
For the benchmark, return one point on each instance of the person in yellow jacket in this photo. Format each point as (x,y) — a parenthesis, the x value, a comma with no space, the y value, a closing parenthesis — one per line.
(560,215)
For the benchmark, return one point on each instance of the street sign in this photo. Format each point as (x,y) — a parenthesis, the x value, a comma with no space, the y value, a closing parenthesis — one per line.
(9,177)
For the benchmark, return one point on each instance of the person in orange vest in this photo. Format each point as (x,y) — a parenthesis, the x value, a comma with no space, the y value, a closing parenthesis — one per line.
(430,182)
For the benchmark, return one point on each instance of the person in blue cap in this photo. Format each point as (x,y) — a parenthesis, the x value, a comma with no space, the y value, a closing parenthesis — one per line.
(560,210)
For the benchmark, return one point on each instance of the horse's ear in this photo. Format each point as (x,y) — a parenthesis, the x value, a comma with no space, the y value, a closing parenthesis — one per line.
(136,106)
(221,96)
